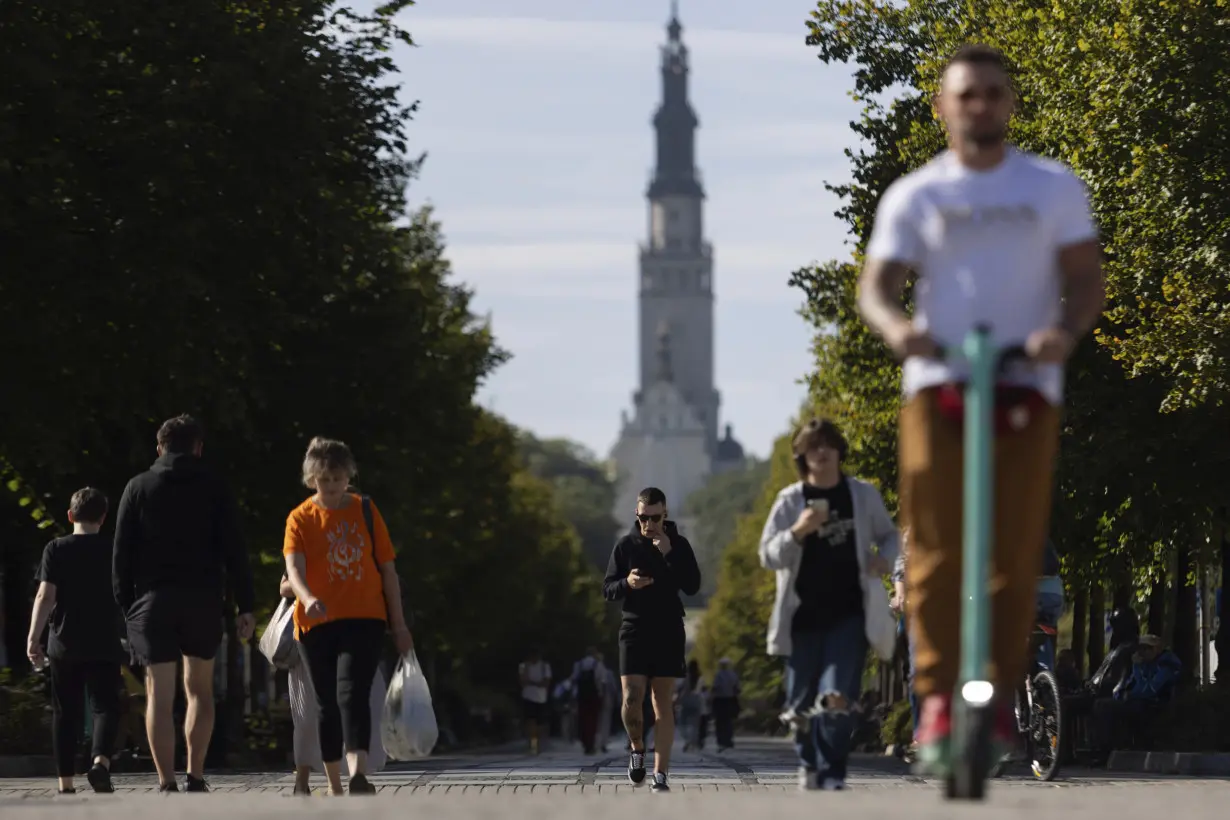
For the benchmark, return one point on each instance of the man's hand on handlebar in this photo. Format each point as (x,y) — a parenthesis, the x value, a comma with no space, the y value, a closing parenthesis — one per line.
(907,342)
(1052,345)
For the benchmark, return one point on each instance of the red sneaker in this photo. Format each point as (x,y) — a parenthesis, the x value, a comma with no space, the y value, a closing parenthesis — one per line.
(934,736)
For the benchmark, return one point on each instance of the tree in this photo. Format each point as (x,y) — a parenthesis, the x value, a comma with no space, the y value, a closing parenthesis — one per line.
(717,507)
(206,208)
(583,492)
(1100,89)
(736,620)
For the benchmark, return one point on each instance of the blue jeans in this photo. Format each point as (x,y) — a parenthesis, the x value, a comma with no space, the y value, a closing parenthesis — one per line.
(909,679)
(824,662)
(1050,609)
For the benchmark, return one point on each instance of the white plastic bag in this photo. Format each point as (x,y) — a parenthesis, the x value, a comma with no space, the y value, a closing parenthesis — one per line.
(409,729)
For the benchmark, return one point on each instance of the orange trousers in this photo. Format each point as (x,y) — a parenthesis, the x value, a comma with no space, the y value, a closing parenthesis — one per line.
(931,452)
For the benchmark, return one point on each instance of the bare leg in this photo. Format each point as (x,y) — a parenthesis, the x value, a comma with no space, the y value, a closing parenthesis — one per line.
(199,720)
(303,777)
(633,709)
(333,773)
(357,762)
(662,690)
(160,718)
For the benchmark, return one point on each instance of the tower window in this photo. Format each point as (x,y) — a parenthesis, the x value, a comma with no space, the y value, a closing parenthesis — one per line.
(672,216)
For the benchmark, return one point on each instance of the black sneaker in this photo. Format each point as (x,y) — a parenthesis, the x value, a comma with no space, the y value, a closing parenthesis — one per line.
(359,785)
(195,784)
(659,783)
(167,788)
(99,777)
(636,768)
(69,790)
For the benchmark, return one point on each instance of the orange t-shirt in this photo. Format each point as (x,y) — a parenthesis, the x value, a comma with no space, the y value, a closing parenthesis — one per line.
(341,571)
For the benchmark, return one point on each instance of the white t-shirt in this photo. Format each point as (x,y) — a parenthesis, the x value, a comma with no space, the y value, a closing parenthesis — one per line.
(985,246)
(539,671)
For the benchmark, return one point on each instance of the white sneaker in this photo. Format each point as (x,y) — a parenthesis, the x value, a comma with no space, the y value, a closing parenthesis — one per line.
(833,784)
(809,779)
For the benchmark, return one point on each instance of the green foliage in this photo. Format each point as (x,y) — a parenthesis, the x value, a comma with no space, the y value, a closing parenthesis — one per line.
(25,715)
(737,618)
(1105,87)
(717,507)
(898,727)
(584,494)
(204,211)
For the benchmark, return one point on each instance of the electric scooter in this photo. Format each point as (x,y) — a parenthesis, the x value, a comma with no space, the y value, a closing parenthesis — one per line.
(974,700)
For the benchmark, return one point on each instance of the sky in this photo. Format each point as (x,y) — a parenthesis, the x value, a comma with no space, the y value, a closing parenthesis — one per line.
(535,117)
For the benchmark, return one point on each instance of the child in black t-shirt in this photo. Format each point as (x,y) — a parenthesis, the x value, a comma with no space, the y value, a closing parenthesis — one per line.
(83,649)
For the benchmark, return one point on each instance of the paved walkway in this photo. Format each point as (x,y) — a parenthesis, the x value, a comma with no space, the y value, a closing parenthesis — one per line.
(757,765)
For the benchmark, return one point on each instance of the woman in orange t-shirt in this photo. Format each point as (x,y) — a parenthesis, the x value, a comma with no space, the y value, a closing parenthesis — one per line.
(346,592)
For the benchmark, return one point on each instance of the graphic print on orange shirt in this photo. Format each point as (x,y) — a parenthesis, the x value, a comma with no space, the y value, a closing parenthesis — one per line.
(341,562)
(346,544)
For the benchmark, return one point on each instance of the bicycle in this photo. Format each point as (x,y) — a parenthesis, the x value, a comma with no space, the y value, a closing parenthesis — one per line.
(1038,710)
(974,700)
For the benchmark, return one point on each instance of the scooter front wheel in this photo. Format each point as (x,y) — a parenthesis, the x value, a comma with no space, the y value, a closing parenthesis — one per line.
(971,764)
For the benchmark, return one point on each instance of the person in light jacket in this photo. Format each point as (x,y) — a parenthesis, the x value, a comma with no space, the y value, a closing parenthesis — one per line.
(818,539)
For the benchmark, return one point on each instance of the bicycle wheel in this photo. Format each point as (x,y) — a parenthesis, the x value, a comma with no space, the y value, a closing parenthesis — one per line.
(1045,727)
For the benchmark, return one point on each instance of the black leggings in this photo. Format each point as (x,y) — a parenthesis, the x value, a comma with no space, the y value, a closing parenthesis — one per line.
(69,684)
(341,659)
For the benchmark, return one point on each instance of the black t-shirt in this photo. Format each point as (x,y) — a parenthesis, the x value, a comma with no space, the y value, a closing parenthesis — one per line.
(828,582)
(85,624)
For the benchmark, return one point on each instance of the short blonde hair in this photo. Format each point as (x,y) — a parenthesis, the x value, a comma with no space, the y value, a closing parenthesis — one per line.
(325,455)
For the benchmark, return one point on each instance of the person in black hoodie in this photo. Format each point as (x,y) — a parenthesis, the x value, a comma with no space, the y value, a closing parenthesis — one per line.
(176,538)
(648,569)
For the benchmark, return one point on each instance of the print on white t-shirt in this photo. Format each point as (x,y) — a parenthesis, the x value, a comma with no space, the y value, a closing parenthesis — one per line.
(985,247)
(540,671)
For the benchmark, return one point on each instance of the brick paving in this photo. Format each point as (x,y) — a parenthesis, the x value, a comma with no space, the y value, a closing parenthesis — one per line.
(757,777)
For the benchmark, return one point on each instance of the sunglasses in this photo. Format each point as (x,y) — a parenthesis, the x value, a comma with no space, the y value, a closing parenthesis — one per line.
(649,519)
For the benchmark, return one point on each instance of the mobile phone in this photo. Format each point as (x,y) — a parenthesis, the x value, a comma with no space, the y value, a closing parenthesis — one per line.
(820,505)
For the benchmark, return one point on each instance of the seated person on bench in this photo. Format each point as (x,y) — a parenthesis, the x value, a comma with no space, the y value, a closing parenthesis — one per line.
(1149,685)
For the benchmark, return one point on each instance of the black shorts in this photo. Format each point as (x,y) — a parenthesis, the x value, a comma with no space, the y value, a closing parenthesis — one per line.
(532,710)
(655,652)
(166,623)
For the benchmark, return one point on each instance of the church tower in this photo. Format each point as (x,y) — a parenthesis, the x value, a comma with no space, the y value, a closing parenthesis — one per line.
(676,288)
(672,441)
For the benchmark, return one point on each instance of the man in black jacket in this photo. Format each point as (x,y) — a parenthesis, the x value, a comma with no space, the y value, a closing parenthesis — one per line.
(648,569)
(176,537)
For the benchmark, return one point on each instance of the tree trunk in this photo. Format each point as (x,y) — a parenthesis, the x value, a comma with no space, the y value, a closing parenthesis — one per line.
(1222,640)
(1080,625)
(1185,637)
(1097,626)
(1155,624)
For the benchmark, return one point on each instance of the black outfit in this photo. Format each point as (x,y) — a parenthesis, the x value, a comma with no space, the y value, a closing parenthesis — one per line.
(176,537)
(651,637)
(83,646)
(342,657)
(828,583)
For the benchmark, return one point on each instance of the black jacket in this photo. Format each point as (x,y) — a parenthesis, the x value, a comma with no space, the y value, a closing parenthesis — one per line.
(178,527)
(675,573)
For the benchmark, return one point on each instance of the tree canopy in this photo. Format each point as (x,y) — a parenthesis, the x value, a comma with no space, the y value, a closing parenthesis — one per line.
(717,507)
(203,209)
(1129,94)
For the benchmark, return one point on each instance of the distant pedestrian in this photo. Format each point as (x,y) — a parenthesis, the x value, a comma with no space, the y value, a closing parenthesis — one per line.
(84,651)
(177,536)
(535,678)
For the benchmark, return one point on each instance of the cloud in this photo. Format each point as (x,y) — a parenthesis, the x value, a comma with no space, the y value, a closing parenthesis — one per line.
(607,271)
(595,38)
